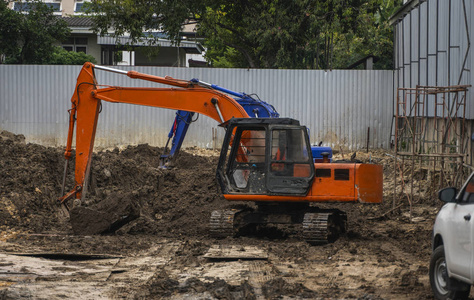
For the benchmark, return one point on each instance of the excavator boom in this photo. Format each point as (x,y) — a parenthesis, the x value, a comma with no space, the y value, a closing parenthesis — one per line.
(86,104)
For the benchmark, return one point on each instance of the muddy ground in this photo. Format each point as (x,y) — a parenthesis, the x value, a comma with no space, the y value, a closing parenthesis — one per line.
(166,251)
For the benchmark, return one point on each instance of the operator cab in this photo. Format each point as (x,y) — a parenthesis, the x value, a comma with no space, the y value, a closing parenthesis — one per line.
(265,156)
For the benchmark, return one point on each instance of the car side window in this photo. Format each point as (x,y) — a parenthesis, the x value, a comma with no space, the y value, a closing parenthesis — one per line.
(468,194)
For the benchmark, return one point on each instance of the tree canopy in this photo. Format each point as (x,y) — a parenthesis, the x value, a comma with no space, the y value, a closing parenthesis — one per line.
(61,56)
(304,34)
(28,38)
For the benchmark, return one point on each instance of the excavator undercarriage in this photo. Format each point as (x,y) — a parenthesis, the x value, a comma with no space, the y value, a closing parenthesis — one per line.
(315,225)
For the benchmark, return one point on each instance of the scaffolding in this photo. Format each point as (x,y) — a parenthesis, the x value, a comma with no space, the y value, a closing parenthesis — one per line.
(431,142)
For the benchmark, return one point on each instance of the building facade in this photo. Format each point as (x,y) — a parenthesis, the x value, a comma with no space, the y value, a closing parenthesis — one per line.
(108,50)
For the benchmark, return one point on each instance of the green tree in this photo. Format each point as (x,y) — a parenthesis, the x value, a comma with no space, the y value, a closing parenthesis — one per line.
(28,37)
(141,18)
(9,27)
(374,36)
(63,57)
(305,34)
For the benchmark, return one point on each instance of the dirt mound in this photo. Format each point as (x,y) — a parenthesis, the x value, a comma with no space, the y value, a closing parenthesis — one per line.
(30,182)
(383,255)
(172,202)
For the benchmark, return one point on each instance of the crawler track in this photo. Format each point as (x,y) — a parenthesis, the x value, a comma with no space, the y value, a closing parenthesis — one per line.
(315,228)
(222,223)
(323,227)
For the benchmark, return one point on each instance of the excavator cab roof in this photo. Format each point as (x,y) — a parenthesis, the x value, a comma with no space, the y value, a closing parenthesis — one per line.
(263,121)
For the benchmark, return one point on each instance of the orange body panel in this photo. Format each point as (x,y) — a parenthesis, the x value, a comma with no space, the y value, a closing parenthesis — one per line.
(369,183)
(363,184)
(328,188)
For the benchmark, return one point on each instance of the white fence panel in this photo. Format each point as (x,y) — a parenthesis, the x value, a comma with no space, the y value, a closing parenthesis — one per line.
(338,106)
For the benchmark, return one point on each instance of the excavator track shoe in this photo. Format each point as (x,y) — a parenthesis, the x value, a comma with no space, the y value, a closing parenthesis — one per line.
(222,223)
(315,228)
(324,227)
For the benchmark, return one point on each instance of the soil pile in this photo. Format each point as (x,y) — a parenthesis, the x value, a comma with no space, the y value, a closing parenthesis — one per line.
(168,202)
(30,182)
(129,185)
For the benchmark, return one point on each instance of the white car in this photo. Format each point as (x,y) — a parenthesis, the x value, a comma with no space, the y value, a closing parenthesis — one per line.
(452,260)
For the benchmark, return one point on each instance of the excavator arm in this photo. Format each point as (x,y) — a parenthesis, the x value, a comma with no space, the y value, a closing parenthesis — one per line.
(254,107)
(86,106)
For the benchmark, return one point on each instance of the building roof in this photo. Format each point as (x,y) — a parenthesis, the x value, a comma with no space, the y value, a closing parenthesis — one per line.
(78,21)
(189,46)
(404,10)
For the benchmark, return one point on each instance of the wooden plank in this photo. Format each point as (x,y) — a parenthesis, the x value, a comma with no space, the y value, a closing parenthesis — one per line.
(234,252)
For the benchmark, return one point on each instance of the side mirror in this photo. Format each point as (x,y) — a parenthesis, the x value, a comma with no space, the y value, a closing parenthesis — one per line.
(447,194)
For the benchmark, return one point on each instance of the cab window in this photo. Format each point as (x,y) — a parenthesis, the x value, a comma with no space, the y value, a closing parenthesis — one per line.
(288,154)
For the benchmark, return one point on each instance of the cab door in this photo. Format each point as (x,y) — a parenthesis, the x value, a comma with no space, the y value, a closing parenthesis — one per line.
(242,169)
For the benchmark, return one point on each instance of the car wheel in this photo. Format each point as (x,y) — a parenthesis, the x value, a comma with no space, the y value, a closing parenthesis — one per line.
(439,278)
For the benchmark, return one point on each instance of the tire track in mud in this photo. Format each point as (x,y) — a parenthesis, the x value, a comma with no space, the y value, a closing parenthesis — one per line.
(260,272)
(49,275)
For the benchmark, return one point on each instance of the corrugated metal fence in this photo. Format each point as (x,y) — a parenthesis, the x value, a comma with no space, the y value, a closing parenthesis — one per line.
(433,47)
(338,106)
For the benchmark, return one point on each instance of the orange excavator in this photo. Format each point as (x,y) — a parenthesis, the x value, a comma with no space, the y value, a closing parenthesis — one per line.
(267,161)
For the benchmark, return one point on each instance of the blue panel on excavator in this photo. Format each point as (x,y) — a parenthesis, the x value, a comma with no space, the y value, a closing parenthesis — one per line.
(317,152)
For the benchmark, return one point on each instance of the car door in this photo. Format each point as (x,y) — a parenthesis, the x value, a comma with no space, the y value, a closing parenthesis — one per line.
(460,232)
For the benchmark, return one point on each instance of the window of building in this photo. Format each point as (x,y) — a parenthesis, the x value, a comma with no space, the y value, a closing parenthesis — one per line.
(76,44)
(80,7)
(25,6)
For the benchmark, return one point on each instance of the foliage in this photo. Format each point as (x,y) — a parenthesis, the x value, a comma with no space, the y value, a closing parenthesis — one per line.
(140,18)
(374,37)
(305,34)
(63,57)
(9,27)
(28,38)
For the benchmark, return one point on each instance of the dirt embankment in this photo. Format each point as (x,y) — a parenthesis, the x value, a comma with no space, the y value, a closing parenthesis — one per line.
(384,255)
(171,202)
